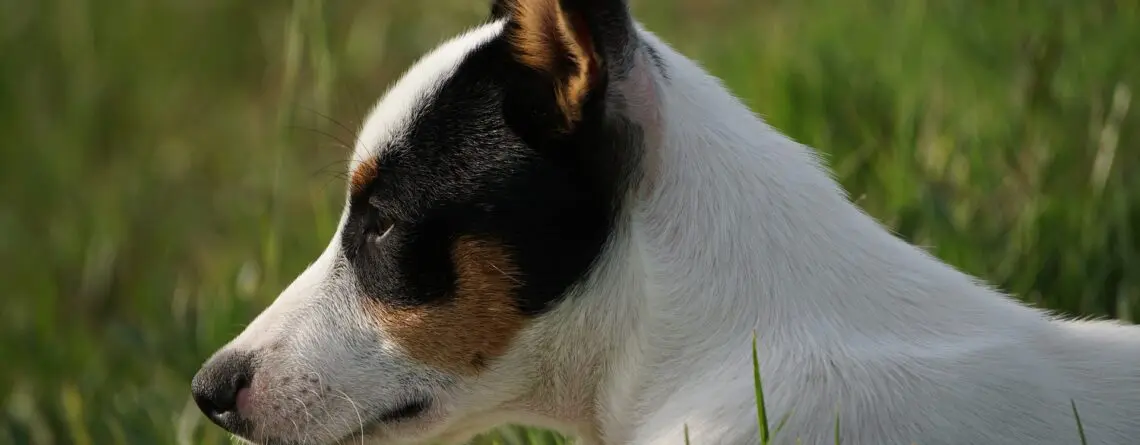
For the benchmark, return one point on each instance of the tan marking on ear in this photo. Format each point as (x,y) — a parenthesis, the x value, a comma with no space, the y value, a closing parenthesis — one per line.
(365,172)
(475,326)
(549,39)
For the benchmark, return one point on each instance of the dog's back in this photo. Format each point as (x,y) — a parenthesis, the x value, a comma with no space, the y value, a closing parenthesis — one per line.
(856,326)
(1016,390)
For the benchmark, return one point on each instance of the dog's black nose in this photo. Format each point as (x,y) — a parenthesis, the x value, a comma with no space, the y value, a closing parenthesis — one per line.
(217,384)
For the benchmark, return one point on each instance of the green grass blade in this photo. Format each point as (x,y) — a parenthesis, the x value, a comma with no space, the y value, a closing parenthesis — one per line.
(686,434)
(761,412)
(1080,427)
(837,441)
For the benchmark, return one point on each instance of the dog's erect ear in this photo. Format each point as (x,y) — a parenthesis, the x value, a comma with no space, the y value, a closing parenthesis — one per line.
(576,43)
(499,9)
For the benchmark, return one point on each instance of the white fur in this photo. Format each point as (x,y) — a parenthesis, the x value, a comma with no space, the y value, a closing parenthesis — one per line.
(742,230)
(736,229)
(739,229)
(392,114)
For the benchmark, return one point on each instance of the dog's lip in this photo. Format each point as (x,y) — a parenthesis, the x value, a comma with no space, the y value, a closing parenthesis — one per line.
(409,409)
(243,402)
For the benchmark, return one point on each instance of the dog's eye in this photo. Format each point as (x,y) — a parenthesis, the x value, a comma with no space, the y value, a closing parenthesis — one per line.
(378,229)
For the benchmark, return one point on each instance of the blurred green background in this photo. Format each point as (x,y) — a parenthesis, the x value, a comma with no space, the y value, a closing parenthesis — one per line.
(169,165)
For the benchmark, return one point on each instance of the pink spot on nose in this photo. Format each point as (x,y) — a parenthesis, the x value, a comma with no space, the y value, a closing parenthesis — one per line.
(243,401)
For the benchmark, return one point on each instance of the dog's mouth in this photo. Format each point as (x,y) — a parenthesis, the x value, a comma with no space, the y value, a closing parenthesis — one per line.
(405,411)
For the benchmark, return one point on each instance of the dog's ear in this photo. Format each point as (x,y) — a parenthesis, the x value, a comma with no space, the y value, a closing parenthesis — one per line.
(499,9)
(576,44)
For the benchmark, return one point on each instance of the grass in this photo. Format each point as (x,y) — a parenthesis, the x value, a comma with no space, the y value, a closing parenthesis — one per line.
(168,166)
(761,408)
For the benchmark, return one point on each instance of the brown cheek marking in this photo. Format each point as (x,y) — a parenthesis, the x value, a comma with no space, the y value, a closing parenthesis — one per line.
(477,325)
(364,174)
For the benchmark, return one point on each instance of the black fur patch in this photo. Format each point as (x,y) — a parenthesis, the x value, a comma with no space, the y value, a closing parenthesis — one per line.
(487,157)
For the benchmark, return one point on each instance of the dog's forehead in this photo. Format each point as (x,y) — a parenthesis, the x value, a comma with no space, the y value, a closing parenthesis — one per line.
(395,112)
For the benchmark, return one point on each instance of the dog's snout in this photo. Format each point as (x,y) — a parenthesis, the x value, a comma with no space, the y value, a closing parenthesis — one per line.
(216,387)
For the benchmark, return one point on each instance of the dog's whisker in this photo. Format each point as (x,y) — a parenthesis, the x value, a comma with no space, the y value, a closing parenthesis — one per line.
(356,410)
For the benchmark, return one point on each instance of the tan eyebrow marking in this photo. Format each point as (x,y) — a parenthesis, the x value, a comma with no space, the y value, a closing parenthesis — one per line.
(364,174)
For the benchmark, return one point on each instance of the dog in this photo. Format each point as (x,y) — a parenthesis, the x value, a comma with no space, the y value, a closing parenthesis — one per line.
(555,219)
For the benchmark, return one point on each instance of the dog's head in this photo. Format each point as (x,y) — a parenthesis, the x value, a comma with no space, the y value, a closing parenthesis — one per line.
(484,190)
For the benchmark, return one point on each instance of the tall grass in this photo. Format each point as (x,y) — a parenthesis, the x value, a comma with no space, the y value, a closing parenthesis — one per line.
(169,165)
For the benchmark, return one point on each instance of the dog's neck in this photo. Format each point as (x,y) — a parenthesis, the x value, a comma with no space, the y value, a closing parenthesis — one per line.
(737,229)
